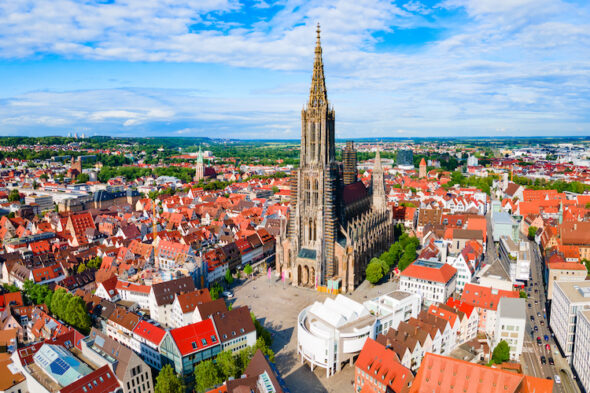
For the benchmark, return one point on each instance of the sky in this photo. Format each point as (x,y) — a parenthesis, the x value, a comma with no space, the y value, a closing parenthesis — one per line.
(242,68)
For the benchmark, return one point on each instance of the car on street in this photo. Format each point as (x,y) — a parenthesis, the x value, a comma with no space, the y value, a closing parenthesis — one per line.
(548,347)
(529,305)
(536,328)
(539,314)
(539,340)
(551,362)
(543,360)
(532,318)
(542,322)
(546,337)
(227,294)
(536,302)
(557,379)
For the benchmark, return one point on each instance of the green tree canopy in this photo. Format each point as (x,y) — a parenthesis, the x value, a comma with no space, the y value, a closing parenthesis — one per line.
(248,269)
(14,195)
(532,232)
(228,364)
(501,353)
(376,269)
(168,382)
(207,376)
(229,278)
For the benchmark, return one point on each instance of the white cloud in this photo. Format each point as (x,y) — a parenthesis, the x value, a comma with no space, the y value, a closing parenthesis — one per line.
(509,61)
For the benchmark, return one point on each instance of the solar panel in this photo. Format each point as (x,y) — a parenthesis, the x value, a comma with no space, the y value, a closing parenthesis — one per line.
(59,367)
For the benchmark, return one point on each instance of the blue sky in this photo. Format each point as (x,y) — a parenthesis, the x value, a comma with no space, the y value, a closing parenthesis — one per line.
(241,69)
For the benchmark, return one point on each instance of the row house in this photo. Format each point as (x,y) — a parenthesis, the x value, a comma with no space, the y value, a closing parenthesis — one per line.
(485,300)
(120,326)
(162,295)
(185,304)
(468,317)
(147,338)
(378,370)
(134,292)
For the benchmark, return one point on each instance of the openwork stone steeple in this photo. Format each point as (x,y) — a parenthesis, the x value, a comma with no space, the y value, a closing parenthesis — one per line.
(318,95)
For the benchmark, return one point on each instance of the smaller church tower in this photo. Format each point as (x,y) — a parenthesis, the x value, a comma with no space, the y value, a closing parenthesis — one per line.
(378,185)
(349,163)
(200,169)
(422,169)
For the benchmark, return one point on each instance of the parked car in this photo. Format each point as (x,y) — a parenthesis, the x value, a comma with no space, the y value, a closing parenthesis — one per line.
(543,360)
(539,340)
(539,314)
(532,318)
(529,305)
(551,362)
(227,294)
(548,347)
(542,322)
(536,328)
(557,379)
(546,337)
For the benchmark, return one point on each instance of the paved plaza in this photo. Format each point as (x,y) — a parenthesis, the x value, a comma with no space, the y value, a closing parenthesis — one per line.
(277,306)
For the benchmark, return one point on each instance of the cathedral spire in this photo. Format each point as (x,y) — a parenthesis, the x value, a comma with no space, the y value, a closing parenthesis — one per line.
(318,95)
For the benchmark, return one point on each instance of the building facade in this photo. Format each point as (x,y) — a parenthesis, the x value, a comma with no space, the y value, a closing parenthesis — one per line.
(568,299)
(336,225)
(581,357)
(511,325)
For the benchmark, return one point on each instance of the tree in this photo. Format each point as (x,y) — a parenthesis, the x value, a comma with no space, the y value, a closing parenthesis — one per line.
(229,278)
(501,353)
(261,332)
(207,376)
(168,382)
(408,257)
(375,271)
(14,195)
(523,295)
(275,189)
(532,232)
(215,291)
(81,268)
(227,364)
(248,269)
(396,250)
(82,178)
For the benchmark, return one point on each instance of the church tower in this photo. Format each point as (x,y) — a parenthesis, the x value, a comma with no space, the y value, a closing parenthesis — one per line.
(314,223)
(378,184)
(349,172)
(200,169)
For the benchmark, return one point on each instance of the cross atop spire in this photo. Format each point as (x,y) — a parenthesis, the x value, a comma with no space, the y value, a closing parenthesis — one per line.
(318,95)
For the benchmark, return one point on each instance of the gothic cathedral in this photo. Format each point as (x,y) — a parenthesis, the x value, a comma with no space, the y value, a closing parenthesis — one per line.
(336,225)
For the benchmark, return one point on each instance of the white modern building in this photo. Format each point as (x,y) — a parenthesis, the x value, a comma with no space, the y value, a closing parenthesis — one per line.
(569,298)
(393,308)
(517,259)
(433,281)
(581,357)
(333,332)
(511,324)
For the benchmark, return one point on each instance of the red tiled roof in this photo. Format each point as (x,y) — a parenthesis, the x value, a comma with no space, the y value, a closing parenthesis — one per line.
(150,332)
(485,297)
(437,370)
(195,337)
(442,274)
(383,365)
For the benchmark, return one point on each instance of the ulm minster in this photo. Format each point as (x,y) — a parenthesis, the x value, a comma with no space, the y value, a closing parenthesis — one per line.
(336,224)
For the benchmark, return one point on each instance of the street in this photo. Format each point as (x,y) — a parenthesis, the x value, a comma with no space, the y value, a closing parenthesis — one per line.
(532,351)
